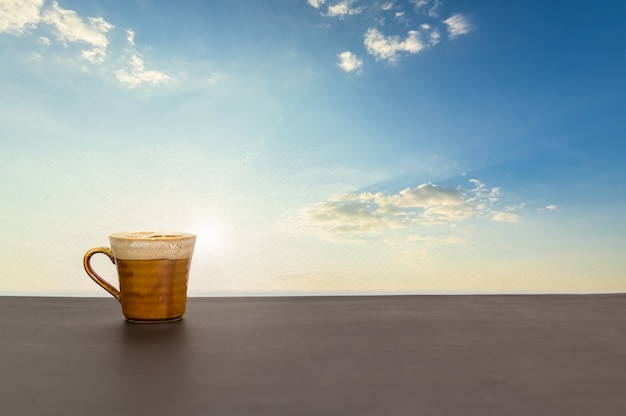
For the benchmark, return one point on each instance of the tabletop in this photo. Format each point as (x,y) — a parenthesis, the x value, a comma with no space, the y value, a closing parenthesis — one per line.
(318,355)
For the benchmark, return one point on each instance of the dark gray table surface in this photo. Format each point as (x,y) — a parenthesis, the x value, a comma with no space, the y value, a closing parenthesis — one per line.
(371,355)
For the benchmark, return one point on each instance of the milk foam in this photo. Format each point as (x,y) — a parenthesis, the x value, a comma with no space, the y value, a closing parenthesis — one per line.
(152,245)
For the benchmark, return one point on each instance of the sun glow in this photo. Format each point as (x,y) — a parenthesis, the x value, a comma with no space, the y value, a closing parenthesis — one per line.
(210,237)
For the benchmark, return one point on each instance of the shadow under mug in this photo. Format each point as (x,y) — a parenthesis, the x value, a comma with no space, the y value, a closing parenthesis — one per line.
(153,271)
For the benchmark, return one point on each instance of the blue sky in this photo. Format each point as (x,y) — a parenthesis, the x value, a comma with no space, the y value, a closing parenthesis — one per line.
(319,146)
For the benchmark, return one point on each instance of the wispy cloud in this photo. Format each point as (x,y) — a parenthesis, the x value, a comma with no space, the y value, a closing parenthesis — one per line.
(550,207)
(382,40)
(23,17)
(388,48)
(349,62)
(18,17)
(339,9)
(458,24)
(427,7)
(343,8)
(130,37)
(316,3)
(506,217)
(433,37)
(425,205)
(136,74)
(68,26)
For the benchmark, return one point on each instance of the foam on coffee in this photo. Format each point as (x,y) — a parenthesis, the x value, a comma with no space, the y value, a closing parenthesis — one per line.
(152,245)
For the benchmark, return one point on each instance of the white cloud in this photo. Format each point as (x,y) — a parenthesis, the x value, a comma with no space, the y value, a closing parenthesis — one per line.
(316,3)
(70,27)
(434,10)
(137,75)
(426,204)
(551,207)
(388,47)
(130,36)
(19,16)
(95,55)
(337,9)
(343,8)
(427,7)
(457,25)
(391,47)
(434,37)
(349,62)
(506,217)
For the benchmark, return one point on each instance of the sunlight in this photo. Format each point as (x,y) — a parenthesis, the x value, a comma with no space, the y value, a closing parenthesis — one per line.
(211,237)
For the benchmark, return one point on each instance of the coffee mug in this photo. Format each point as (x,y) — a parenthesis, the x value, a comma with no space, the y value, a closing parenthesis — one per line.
(153,270)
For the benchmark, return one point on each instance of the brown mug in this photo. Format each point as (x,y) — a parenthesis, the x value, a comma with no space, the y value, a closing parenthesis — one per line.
(153,270)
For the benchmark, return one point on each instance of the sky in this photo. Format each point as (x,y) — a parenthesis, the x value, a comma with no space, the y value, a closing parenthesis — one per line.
(318,147)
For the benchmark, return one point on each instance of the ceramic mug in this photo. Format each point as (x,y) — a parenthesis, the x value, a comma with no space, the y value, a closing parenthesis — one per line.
(153,270)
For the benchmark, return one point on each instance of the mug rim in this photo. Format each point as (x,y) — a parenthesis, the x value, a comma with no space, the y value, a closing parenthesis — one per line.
(159,235)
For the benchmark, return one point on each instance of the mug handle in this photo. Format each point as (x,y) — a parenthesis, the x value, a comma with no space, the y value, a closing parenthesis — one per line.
(96,278)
